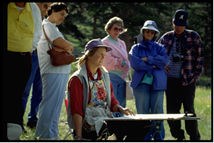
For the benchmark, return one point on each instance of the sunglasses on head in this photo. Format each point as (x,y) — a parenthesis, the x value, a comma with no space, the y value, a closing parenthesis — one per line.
(118,29)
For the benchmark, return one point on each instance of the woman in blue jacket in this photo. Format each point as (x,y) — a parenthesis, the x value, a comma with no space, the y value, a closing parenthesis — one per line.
(148,60)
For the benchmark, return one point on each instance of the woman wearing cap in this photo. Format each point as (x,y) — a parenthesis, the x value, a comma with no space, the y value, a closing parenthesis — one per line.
(91,94)
(116,61)
(148,60)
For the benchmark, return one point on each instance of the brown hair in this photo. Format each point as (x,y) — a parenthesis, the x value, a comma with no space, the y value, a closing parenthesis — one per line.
(85,56)
(57,6)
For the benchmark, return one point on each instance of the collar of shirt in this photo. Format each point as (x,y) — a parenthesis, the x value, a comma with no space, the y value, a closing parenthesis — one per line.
(27,6)
(91,77)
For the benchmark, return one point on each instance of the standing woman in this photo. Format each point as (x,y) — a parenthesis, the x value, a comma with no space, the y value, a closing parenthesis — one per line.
(116,60)
(54,78)
(148,60)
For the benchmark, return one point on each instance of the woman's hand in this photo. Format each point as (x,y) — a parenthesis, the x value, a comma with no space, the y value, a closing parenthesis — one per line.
(63,44)
(167,69)
(69,51)
(145,59)
(125,111)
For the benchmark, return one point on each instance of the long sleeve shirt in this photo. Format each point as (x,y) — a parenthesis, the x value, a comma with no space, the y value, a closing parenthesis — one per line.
(116,61)
(193,60)
(75,89)
(156,61)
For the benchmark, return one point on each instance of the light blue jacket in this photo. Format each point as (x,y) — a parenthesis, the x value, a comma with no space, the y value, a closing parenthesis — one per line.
(157,56)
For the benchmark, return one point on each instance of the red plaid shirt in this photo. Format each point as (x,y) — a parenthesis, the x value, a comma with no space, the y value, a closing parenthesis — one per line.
(193,60)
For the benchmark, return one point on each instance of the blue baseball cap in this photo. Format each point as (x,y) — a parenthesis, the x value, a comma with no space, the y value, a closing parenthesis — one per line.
(180,18)
(95,43)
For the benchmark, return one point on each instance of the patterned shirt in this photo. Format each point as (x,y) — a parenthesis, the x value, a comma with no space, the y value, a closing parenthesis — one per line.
(97,94)
(193,60)
(175,67)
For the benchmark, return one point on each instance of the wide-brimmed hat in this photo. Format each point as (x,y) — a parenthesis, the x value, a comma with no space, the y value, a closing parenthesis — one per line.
(180,18)
(95,43)
(150,25)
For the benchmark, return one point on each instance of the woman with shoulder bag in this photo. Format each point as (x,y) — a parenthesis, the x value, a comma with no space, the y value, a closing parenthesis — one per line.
(148,60)
(54,78)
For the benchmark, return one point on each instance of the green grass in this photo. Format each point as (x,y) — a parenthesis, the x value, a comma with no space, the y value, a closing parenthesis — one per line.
(203,108)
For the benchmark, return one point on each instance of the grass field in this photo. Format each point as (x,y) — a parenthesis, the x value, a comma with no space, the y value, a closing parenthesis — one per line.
(203,107)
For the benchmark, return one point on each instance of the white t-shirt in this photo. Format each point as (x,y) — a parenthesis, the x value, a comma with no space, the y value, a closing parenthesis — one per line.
(37,24)
(44,59)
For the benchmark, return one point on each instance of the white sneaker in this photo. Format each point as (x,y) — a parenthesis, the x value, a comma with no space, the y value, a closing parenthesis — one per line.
(14,131)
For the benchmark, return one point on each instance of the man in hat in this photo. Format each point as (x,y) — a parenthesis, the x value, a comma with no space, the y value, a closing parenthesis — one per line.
(184,48)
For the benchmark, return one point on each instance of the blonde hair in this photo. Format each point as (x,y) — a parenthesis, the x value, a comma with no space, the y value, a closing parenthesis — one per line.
(85,56)
(112,21)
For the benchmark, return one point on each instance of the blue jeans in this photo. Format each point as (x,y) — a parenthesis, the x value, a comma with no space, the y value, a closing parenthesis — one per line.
(35,79)
(53,93)
(119,88)
(150,101)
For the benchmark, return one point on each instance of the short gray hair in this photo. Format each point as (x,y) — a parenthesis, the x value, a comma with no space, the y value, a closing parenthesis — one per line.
(112,21)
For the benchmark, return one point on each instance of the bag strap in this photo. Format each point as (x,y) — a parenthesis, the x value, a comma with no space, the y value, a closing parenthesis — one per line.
(49,41)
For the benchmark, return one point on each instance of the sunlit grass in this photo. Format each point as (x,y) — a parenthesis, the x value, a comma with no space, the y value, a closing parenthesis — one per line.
(203,108)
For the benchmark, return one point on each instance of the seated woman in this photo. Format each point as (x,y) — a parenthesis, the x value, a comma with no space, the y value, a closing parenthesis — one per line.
(91,94)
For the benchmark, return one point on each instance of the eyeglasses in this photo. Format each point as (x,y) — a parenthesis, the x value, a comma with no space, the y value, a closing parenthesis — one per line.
(118,29)
(149,31)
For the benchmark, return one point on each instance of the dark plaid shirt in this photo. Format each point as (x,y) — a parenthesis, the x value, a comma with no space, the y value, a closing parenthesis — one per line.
(193,61)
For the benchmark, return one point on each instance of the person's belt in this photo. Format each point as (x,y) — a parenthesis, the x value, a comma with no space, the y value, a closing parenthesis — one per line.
(20,53)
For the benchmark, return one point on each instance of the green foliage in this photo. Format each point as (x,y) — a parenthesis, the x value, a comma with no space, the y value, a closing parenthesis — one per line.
(204,81)
(86,20)
(73,67)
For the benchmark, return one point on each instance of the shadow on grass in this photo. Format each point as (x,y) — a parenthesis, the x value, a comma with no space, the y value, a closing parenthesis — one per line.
(204,81)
